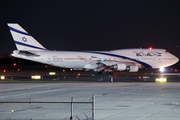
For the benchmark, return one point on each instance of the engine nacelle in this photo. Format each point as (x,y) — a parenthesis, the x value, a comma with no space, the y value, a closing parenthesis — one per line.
(133,68)
(120,66)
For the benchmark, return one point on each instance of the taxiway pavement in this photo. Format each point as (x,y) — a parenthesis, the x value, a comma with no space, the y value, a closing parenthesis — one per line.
(113,101)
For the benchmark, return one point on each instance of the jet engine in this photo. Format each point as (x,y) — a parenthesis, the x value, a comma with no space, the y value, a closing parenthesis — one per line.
(120,66)
(133,68)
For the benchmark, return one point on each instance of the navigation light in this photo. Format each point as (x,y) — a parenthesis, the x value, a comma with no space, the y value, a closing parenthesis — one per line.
(102,60)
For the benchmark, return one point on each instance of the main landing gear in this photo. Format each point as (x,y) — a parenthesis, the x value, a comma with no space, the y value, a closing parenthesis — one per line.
(96,73)
(100,73)
(109,73)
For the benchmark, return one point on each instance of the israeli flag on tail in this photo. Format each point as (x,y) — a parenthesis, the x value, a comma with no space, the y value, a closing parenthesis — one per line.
(23,40)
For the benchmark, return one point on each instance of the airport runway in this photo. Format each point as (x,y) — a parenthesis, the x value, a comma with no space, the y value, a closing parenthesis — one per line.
(118,100)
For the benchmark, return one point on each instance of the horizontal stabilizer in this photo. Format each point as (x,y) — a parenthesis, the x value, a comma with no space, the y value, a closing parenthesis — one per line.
(26,53)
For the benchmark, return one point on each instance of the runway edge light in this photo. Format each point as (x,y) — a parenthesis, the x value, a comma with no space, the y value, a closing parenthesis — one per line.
(36,77)
(52,73)
(3,77)
(161,80)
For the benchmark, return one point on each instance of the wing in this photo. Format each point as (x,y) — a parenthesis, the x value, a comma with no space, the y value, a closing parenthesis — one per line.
(100,65)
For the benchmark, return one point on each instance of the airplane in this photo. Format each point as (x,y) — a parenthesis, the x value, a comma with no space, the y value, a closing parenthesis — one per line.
(130,60)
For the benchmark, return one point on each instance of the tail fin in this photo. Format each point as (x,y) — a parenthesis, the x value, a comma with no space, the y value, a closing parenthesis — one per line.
(22,39)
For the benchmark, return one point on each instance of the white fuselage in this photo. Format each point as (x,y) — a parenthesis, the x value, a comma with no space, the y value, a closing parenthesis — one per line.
(155,58)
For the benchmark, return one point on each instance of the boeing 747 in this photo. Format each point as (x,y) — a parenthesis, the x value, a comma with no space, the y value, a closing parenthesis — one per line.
(97,61)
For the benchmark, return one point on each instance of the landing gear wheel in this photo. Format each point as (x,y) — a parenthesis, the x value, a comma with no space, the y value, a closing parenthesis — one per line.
(109,73)
(97,73)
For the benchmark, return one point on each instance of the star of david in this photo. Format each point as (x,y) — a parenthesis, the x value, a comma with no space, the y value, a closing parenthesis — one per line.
(24,39)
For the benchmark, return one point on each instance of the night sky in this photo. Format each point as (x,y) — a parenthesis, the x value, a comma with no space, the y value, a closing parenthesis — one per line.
(98,25)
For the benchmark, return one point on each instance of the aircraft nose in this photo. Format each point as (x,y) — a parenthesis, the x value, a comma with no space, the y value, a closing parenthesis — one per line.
(177,59)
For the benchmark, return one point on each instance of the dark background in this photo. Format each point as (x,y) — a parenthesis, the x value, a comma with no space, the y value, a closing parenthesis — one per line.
(94,24)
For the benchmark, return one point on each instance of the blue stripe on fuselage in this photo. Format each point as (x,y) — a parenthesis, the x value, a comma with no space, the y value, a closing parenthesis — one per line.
(140,62)
(18,31)
(19,43)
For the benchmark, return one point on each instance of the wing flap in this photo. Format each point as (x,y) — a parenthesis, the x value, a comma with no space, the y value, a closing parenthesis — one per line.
(91,65)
